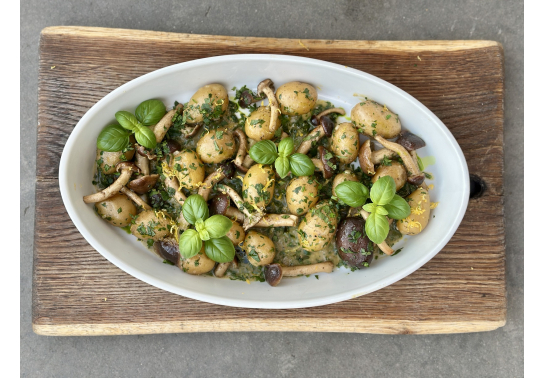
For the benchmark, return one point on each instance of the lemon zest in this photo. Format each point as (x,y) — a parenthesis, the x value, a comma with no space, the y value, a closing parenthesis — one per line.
(414,224)
(431,186)
(386,109)
(433,205)
(417,210)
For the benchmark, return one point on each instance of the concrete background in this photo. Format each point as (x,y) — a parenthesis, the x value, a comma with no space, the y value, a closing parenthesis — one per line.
(491,354)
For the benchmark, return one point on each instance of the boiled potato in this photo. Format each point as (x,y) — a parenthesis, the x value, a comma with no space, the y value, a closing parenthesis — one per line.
(149,226)
(258,185)
(419,201)
(318,226)
(302,194)
(257,124)
(216,146)
(396,171)
(188,168)
(236,234)
(198,264)
(345,142)
(210,101)
(347,175)
(117,210)
(108,160)
(259,248)
(373,119)
(296,98)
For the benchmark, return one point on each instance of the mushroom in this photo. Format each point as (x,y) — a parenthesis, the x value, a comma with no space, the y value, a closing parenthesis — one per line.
(410,141)
(353,245)
(325,163)
(161,128)
(126,168)
(384,247)
(242,150)
(135,198)
(142,159)
(225,170)
(267,87)
(365,158)
(325,129)
(143,184)
(415,176)
(168,249)
(275,272)
(172,182)
(378,156)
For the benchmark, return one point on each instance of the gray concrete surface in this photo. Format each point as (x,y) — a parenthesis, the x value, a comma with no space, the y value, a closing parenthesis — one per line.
(490,354)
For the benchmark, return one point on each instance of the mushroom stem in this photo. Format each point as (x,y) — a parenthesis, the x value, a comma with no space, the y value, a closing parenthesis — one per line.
(172,182)
(141,150)
(378,156)
(364,155)
(318,165)
(142,162)
(242,150)
(293,271)
(266,87)
(161,128)
(135,198)
(221,269)
(329,111)
(249,219)
(127,170)
(415,176)
(268,220)
(415,157)
(315,135)
(383,246)
(234,214)
(209,182)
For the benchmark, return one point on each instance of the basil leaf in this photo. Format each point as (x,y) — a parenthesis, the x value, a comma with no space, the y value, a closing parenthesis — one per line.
(150,112)
(145,137)
(282,165)
(113,138)
(190,243)
(369,207)
(201,229)
(383,190)
(218,226)
(195,208)
(285,147)
(301,165)
(264,152)
(376,227)
(127,120)
(220,250)
(398,208)
(381,210)
(354,194)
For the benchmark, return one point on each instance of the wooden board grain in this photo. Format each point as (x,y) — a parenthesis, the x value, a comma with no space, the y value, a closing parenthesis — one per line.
(78,292)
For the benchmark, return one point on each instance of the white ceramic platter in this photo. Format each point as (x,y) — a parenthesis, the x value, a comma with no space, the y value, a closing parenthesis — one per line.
(342,86)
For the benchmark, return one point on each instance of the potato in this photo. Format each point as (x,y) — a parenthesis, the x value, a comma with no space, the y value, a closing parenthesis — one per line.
(198,264)
(188,168)
(236,234)
(258,185)
(345,142)
(372,118)
(116,210)
(318,226)
(108,160)
(419,201)
(149,226)
(296,98)
(347,175)
(396,171)
(210,101)
(302,194)
(257,124)
(216,146)
(259,249)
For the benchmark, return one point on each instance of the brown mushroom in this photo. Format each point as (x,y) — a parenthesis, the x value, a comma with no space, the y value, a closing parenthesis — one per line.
(353,245)
(143,153)
(378,156)
(127,169)
(161,128)
(415,176)
(225,170)
(325,129)
(143,184)
(172,182)
(364,157)
(326,162)
(168,249)
(410,141)
(275,272)
(267,87)
(242,150)
(135,198)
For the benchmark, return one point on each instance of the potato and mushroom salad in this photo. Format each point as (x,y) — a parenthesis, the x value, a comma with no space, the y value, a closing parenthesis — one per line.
(265,184)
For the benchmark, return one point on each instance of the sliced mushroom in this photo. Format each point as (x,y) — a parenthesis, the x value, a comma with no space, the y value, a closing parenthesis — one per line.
(384,247)
(135,198)
(267,87)
(365,158)
(127,169)
(415,176)
(275,272)
(329,111)
(225,170)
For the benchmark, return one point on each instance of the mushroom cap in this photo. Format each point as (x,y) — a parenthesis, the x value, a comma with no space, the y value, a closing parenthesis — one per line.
(173,146)
(364,157)
(264,84)
(416,179)
(168,249)
(228,169)
(126,165)
(273,274)
(330,164)
(410,141)
(352,243)
(219,204)
(328,125)
(143,184)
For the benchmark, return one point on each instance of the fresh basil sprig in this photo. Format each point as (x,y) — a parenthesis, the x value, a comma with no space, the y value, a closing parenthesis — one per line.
(150,112)
(284,160)
(143,134)
(384,199)
(211,231)
(113,138)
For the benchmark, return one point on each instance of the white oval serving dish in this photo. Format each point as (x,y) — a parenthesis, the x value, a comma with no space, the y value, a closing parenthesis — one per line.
(342,86)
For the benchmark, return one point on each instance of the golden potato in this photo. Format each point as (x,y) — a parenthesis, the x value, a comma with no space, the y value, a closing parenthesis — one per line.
(236,234)
(257,124)
(419,201)
(347,175)
(258,185)
(396,171)
(302,194)
(116,210)
(296,98)
(318,226)
(216,146)
(149,226)
(108,160)
(198,264)
(188,168)
(210,101)
(345,142)
(372,119)
(259,248)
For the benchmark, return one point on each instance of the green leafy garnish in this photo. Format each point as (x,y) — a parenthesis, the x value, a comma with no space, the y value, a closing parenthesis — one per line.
(284,159)
(113,138)
(150,112)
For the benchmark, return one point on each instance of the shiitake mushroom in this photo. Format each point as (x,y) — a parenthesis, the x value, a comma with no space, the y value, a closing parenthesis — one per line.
(353,246)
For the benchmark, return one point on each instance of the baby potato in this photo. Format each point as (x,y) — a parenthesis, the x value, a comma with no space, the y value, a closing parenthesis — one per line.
(257,124)
(236,234)
(345,142)
(302,194)
(347,175)
(396,171)
(218,101)
(372,118)
(296,98)
(318,226)
(198,264)
(259,249)
(149,226)
(216,146)
(188,168)
(116,210)
(419,201)
(258,185)
(108,160)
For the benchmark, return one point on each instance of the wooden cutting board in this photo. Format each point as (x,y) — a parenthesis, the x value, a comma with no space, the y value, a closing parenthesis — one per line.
(78,292)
